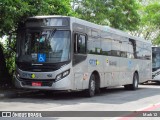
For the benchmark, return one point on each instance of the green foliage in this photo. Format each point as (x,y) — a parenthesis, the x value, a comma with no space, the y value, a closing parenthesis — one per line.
(156,41)
(150,22)
(124,15)
(152,14)
(12,12)
(10,56)
(119,14)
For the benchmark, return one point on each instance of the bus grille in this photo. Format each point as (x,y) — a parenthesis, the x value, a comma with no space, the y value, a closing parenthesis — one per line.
(28,82)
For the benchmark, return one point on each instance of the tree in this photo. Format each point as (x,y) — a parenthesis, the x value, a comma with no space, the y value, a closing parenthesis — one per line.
(152,21)
(4,74)
(13,12)
(149,26)
(119,14)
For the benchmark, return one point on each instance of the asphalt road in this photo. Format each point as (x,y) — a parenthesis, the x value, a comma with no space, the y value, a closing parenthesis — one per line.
(144,100)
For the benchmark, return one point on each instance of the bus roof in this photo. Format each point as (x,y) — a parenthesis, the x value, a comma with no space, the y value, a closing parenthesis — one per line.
(47,16)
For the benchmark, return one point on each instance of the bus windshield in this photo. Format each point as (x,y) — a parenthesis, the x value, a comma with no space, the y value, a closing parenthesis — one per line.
(155,60)
(45,46)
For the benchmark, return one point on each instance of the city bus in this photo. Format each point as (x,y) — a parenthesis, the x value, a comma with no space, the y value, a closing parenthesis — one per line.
(62,53)
(156,64)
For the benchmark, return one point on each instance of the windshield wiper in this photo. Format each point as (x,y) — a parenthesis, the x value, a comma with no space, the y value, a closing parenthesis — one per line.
(52,33)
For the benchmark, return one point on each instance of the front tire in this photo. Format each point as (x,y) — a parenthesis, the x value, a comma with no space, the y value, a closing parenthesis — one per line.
(90,92)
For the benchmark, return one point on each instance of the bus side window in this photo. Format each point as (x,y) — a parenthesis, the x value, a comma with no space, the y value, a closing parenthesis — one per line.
(80,44)
(133,43)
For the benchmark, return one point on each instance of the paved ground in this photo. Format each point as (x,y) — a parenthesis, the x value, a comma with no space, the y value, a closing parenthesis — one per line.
(146,98)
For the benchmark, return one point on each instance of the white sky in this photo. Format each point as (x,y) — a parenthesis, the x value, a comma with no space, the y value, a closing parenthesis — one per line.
(3,39)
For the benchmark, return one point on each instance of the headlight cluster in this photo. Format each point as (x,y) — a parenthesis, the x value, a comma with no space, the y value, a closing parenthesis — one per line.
(62,75)
(17,74)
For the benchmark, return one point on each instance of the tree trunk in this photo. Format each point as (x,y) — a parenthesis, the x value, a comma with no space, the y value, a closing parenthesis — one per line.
(5,77)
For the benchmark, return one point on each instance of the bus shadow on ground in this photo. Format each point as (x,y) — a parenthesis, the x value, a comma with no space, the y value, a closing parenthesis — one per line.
(71,95)
(117,95)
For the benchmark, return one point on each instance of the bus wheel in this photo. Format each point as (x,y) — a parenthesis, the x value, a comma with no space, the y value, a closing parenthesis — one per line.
(134,85)
(91,87)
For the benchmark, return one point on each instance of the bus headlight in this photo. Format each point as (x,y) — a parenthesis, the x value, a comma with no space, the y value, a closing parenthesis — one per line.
(62,75)
(17,74)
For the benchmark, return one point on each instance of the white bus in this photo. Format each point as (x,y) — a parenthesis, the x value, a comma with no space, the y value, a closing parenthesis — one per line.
(156,64)
(63,53)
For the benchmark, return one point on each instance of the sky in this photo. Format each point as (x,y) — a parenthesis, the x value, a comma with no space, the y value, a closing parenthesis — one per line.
(3,39)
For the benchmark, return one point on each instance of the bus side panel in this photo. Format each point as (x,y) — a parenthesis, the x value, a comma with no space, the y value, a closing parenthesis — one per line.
(81,75)
(126,71)
(146,70)
(112,69)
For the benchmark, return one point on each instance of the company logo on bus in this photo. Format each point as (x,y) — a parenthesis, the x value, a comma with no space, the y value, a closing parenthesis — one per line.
(94,62)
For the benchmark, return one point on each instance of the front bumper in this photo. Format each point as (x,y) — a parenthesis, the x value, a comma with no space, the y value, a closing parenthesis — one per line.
(63,84)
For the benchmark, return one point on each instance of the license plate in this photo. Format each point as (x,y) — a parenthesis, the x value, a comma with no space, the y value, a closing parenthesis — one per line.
(36,83)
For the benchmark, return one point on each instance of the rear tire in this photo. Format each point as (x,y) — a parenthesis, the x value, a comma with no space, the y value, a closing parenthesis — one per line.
(134,85)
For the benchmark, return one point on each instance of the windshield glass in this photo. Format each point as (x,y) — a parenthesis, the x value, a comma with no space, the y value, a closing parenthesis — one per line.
(156,60)
(46,46)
